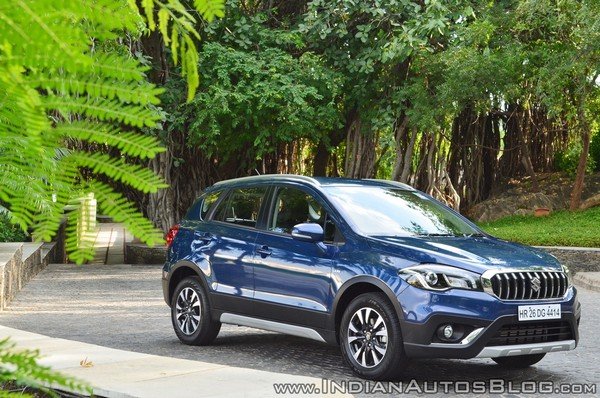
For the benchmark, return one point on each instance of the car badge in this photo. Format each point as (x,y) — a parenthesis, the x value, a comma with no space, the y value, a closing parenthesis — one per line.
(536,284)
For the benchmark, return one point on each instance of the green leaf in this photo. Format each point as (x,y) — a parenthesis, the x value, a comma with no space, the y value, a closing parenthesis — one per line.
(163,24)
(148,6)
(209,9)
(129,142)
(117,169)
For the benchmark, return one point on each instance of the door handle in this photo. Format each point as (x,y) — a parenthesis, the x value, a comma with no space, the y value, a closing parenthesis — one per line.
(206,237)
(264,251)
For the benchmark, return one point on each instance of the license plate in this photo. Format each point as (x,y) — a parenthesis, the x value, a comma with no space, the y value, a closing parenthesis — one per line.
(535,312)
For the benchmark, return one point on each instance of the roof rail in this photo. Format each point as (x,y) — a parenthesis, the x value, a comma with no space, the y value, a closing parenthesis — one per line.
(269,177)
(392,182)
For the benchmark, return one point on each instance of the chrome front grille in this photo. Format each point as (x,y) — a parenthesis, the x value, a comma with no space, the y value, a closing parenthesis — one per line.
(526,285)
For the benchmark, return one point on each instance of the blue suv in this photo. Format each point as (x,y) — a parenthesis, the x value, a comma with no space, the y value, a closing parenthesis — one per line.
(382,270)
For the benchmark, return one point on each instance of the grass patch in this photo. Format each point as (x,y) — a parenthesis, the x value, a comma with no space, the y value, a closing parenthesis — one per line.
(560,228)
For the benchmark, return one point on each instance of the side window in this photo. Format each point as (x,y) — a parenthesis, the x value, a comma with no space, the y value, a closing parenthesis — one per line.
(293,206)
(241,207)
(207,203)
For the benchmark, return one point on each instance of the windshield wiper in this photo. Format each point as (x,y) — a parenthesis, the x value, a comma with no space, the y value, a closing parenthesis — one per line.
(478,234)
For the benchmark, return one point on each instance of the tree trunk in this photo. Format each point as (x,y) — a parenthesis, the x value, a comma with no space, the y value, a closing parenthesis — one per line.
(321,160)
(154,47)
(163,199)
(400,137)
(360,149)
(526,159)
(160,205)
(430,171)
(579,179)
(408,157)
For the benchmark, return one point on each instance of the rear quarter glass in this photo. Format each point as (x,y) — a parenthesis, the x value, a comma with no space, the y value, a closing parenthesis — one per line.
(202,206)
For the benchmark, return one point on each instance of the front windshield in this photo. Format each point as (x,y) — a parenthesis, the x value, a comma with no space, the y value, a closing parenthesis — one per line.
(388,211)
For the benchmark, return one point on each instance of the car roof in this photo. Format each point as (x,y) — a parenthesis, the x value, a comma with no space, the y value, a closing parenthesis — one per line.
(313,181)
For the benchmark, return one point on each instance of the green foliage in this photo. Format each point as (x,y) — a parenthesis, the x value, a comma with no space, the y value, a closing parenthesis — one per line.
(10,232)
(562,40)
(255,93)
(21,367)
(177,26)
(58,90)
(561,228)
(568,160)
(595,150)
(372,44)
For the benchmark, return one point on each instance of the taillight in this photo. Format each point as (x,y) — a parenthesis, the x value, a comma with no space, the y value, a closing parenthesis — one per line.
(170,237)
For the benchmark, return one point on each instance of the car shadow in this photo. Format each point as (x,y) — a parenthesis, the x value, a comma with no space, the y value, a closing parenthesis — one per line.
(297,356)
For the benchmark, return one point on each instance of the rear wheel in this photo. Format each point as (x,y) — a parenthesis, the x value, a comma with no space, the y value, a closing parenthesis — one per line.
(370,338)
(519,361)
(190,313)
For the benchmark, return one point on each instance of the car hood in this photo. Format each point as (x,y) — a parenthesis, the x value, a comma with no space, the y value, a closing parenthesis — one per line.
(476,254)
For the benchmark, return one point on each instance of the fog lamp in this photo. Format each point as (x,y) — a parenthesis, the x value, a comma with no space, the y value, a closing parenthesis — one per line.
(448,331)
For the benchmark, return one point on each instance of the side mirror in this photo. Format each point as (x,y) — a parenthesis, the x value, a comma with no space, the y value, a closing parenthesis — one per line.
(308,232)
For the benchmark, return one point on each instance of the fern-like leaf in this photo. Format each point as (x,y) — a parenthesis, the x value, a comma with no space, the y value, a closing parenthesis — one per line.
(23,367)
(129,143)
(57,89)
(138,177)
(209,9)
(103,109)
(121,210)
(183,31)
(80,237)
(126,92)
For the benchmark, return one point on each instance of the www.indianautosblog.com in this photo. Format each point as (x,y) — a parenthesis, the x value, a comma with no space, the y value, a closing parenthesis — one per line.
(492,386)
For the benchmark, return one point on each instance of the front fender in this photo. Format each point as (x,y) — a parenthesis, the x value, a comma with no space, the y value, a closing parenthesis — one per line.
(353,282)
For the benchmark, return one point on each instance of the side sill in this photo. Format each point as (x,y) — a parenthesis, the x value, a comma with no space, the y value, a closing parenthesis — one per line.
(293,330)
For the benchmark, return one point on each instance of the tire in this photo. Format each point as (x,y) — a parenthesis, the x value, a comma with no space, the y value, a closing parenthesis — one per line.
(190,313)
(519,361)
(373,349)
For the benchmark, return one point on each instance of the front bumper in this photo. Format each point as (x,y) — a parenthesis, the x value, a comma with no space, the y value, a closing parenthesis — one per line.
(425,311)
(526,349)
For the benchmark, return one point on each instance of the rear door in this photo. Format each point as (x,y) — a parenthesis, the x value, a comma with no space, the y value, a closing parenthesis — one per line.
(230,237)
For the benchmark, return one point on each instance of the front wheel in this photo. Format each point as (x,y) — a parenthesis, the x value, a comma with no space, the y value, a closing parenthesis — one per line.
(190,313)
(519,361)
(370,338)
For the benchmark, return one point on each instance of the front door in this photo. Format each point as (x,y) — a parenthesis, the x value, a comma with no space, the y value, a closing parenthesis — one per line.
(292,277)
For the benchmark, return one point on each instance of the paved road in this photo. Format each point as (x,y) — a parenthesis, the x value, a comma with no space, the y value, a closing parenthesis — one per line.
(121,306)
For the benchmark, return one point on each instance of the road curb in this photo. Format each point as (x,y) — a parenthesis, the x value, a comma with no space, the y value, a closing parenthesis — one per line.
(117,373)
(588,280)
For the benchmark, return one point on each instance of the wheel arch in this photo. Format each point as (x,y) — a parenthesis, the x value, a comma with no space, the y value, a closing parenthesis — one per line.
(354,288)
(184,269)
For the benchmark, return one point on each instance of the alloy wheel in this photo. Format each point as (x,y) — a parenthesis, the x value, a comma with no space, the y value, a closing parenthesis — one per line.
(367,337)
(188,311)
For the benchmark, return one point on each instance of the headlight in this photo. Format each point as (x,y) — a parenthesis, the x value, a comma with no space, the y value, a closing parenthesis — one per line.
(440,277)
(567,274)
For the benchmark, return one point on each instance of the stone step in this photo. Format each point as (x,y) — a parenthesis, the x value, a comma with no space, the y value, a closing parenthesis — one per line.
(31,249)
(47,249)
(19,262)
